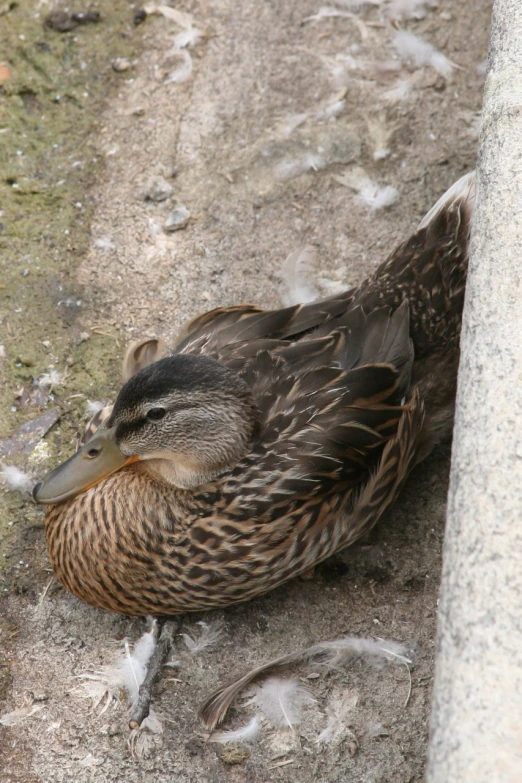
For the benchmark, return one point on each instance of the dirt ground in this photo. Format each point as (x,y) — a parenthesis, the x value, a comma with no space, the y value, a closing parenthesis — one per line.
(258,126)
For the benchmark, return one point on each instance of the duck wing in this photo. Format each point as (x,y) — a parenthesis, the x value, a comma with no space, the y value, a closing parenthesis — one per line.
(336,442)
(214,333)
(328,406)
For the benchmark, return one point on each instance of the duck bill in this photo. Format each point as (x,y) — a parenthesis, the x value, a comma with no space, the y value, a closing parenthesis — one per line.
(96,460)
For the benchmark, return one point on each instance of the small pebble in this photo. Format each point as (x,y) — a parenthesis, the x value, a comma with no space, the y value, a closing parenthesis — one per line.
(140,16)
(158,189)
(64,22)
(121,64)
(87,17)
(27,361)
(60,21)
(234,754)
(178,218)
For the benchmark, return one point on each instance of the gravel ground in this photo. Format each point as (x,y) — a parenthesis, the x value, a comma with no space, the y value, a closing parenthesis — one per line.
(263,129)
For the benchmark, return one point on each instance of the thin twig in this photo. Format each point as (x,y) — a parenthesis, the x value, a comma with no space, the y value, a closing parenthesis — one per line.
(409,689)
(44,594)
(281,764)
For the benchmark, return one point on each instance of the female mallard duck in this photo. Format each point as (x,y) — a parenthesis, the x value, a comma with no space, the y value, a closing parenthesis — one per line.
(269,440)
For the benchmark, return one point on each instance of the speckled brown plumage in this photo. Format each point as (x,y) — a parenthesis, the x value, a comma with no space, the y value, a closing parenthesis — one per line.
(350,394)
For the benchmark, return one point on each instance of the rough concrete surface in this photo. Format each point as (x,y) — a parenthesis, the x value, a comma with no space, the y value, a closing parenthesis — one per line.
(478,687)
(260,143)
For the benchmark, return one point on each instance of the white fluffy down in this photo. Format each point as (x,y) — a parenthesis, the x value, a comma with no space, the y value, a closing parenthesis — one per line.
(127,672)
(411,48)
(134,667)
(248,733)
(337,711)
(93,407)
(282,701)
(331,111)
(183,71)
(338,652)
(327,12)
(17,716)
(400,91)
(288,169)
(296,274)
(209,634)
(380,198)
(15,479)
(375,196)
(104,243)
(49,379)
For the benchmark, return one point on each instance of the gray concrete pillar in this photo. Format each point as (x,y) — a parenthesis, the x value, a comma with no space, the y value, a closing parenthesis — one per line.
(477,711)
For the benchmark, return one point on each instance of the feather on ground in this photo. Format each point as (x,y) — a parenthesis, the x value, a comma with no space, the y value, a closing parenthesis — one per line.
(134,667)
(337,711)
(380,136)
(127,673)
(209,634)
(248,733)
(288,169)
(368,192)
(94,407)
(15,479)
(297,273)
(15,717)
(328,655)
(49,380)
(282,701)
(411,48)
(143,740)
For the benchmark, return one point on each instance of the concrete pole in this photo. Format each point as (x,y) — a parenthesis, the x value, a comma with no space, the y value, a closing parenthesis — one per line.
(477,712)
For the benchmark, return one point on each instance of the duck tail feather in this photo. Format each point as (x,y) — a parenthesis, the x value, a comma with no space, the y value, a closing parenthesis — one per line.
(461,194)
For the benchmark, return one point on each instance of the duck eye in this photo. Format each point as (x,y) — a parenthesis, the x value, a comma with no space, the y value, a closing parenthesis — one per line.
(156,414)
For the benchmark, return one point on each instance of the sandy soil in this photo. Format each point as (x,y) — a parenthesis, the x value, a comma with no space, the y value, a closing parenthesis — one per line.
(249,145)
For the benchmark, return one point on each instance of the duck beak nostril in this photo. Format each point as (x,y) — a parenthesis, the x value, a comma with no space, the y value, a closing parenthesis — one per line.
(96,460)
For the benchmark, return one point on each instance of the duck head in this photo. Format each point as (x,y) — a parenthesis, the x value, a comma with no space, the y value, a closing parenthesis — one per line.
(188,418)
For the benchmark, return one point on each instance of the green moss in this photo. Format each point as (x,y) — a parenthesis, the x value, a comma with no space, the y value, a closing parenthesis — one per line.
(49,116)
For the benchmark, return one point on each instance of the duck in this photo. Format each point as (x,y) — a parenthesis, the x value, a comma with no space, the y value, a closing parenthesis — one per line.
(264,441)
